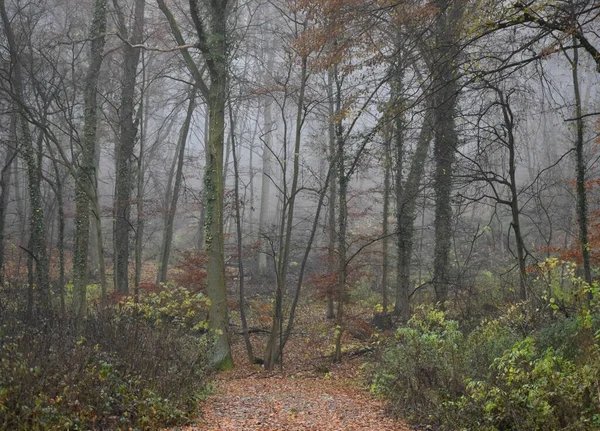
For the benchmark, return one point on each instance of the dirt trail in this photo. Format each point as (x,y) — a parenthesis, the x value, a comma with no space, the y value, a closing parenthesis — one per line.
(293,403)
(309,393)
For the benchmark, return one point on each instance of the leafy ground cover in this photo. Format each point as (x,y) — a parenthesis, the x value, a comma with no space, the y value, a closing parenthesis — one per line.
(307,393)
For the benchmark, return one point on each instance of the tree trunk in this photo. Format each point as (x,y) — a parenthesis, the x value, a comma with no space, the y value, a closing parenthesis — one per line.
(37,228)
(331,231)
(139,232)
(202,218)
(405,214)
(240,246)
(514,201)
(86,181)
(266,178)
(180,154)
(61,236)
(444,73)
(213,188)
(401,306)
(213,42)
(5,178)
(126,144)
(341,239)
(273,350)
(582,205)
(387,161)
(313,231)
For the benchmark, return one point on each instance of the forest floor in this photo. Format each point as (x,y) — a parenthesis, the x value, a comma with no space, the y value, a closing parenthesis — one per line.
(307,393)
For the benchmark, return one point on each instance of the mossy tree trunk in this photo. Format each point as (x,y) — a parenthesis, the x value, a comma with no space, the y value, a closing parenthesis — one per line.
(9,156)
(37,250)
(126,142)
(86,181)
(444,73)
(406,214)
(582,204)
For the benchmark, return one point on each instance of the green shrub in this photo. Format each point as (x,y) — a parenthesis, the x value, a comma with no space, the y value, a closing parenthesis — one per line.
(495,378)
(534,390)
(425,367)
(120,369)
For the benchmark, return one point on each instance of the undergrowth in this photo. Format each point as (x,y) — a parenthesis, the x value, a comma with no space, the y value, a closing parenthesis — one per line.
(534,367)
(136,366)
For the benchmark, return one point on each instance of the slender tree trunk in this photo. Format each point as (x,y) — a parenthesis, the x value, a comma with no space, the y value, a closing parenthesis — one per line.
(331,231)
(266,178)
(387,160)
(514,196)
(307,251)
(180,154)
(94,246)
(582,205)
(240,246)
(139,233)
(273,350)
(341,240)
(61,236)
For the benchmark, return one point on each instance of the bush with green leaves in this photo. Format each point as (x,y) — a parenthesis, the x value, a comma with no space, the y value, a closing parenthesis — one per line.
(118,369)
(424,368)
(503,375)
(171,305)
(533,389)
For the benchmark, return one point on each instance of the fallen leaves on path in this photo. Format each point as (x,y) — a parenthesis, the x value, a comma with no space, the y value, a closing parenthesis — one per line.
(287,403)
(307,393)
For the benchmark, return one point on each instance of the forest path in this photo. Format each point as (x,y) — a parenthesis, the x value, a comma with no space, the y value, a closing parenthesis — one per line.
(309,393)
(272,402)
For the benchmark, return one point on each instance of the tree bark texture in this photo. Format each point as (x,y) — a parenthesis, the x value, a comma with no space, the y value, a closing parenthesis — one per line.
(37,250)
(126,143)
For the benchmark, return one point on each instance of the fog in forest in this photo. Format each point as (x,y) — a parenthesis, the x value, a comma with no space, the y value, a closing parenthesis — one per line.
(214,177)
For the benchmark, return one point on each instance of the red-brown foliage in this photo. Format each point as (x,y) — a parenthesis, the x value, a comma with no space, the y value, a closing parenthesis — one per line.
(190,271)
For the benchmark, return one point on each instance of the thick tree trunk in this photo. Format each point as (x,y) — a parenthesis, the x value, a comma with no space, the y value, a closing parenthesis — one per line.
(444,73)
(405,214)
(213,188)
(401,306)
(126,145)
(37,227)
(213,42)
(202,217)
(86,181)
(5,178)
